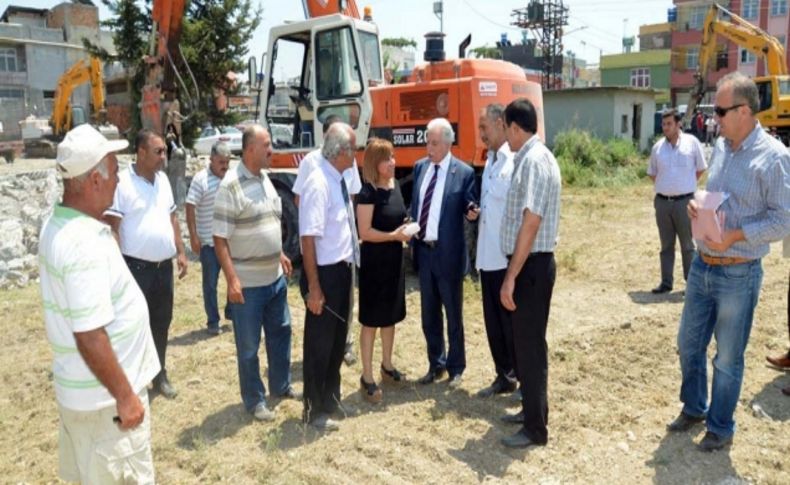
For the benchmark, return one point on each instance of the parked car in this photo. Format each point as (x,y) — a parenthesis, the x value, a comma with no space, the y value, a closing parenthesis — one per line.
(282,135)
(211,135)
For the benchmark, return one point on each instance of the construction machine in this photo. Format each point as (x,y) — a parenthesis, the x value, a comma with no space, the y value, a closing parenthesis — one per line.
(41,136)
(166,97)
(774,88)
(330,64)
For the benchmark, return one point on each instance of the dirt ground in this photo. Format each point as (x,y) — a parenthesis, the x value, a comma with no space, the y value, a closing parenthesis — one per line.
(614,382)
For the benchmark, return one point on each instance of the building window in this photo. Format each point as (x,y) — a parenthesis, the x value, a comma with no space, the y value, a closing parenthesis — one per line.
(624,124)
(697,17)
(11,93)
(778,7)
(781,39)
(747,57)
(640,77)
(8,59)
(750,9)
(692,58)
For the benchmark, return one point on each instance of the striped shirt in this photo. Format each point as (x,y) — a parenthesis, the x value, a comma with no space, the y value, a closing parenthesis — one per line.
(202,192)
(756,181)
(85,285)
(536,186)
(247,212)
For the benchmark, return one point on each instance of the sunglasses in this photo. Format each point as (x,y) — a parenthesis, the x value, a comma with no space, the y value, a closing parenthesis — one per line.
(722,112)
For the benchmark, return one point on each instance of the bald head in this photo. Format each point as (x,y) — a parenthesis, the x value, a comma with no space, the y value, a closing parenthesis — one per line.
(256,148)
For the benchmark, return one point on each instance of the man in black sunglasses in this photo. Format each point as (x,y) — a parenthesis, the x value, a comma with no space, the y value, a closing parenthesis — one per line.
(752,170)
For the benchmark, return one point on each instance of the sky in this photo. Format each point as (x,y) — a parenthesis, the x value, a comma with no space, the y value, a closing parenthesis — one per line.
(594,26)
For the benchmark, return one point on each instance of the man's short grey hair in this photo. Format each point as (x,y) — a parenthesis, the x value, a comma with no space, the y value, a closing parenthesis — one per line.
(337,140)
(75,184)
(446,129)
(743,90)
(495,111)
(220,148)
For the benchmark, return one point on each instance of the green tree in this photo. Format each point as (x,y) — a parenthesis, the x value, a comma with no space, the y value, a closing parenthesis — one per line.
(214,42)
(400,42)
(485,52)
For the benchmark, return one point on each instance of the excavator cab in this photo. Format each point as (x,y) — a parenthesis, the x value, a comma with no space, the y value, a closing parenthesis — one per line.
(320,69)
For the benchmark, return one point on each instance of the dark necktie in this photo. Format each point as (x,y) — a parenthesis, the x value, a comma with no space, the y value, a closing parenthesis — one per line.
(352,225)
(426,202)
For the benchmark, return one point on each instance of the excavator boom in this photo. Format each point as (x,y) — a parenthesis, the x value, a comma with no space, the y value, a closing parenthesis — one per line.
(320,8)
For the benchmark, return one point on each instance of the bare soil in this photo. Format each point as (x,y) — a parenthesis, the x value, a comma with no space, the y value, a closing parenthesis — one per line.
(614,381)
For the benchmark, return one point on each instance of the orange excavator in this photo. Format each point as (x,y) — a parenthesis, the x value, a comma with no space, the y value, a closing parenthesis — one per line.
(330,64)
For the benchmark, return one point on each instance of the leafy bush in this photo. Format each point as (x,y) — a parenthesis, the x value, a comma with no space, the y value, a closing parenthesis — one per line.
(588,161)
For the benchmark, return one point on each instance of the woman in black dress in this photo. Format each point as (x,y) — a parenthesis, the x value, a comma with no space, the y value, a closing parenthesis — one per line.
(381,215)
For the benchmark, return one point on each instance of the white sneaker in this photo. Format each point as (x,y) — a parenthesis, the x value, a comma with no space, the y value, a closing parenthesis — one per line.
(262,413)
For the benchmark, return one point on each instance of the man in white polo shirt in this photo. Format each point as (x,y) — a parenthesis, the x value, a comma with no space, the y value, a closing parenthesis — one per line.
(200,222)
(143,220)
(97,324)
(676,163)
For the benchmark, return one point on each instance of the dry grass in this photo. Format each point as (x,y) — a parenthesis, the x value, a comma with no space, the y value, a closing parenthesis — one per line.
(614,381)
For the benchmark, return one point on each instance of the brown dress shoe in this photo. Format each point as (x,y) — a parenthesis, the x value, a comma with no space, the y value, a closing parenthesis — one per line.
(780,361)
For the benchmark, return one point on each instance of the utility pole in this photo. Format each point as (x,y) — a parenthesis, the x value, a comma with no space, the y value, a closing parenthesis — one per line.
(546,18)
(438,10)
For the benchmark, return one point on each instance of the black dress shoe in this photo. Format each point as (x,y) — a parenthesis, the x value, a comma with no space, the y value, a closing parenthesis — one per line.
(662,288)
(166,389)
(432,376)
(684,422)
(519,440)
(517,418)
(712,442)
(291,393)
(497,387)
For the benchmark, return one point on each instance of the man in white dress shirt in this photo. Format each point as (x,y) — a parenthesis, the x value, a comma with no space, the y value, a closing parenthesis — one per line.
(491,260)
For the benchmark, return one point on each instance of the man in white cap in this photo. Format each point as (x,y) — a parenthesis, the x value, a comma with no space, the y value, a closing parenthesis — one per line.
(97,323)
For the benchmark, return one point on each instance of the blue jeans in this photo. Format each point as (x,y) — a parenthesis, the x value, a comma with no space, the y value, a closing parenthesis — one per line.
(267,307)
(719,302)
(210,267)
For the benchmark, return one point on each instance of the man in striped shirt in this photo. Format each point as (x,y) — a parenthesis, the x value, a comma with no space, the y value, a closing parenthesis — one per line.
(97,324)
(753,170)
(200,221)
(248,242)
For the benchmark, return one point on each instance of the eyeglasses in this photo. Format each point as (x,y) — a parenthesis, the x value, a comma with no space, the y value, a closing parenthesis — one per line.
(722,112)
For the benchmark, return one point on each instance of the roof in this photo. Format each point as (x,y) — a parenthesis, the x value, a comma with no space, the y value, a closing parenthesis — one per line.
(15,9)
(600,89)
(653,57)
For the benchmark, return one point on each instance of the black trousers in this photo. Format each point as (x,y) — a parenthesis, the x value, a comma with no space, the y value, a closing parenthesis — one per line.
(532,295)
(156,282)
(325,341)
(498,327)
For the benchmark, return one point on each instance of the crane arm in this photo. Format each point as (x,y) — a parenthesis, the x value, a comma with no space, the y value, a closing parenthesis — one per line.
(744,34)
(320,8)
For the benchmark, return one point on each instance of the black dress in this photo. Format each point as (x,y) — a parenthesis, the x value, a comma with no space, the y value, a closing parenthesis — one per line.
(382,300)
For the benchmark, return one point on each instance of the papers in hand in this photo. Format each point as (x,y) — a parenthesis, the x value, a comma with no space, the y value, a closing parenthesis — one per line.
(411,229)
(709,224)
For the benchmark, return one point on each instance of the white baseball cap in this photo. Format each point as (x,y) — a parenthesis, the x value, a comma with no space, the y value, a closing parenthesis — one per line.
(82,149)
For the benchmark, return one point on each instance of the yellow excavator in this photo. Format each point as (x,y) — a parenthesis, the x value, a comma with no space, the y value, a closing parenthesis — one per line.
(774,88)
(42,136)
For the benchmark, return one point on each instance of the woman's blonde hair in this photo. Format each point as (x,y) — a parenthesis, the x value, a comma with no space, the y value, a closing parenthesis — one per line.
(378,150)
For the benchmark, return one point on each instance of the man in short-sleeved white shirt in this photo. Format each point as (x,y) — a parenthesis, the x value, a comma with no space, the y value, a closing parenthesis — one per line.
(329,251)
(90,300)
(491,261)
(200,222)
(676,163)
(143,218)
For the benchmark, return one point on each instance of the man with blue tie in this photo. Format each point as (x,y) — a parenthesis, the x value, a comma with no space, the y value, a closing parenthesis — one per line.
(443,194)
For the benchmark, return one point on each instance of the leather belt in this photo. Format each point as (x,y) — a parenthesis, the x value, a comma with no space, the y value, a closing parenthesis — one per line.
(674,197)
(147,264)
(722,260)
